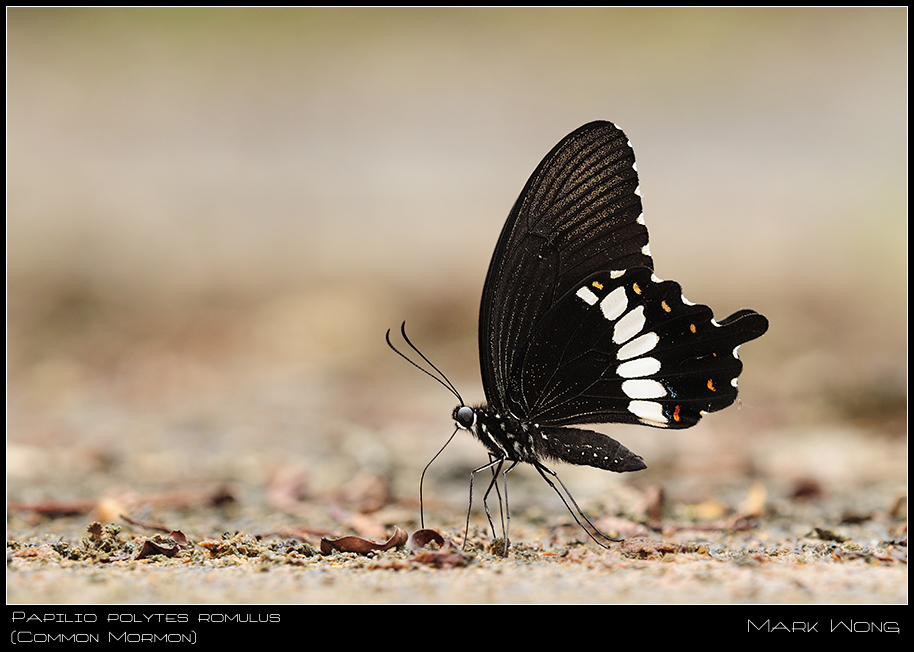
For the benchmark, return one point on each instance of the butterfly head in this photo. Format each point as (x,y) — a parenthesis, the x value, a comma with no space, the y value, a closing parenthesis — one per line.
(464,417)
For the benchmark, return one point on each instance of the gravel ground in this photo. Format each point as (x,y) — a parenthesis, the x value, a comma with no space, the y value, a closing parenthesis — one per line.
(813,545)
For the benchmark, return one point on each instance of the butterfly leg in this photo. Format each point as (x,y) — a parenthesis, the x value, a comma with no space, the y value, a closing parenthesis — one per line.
(496,463)
(505,512)
(506,523)
(593,532)
(501,511)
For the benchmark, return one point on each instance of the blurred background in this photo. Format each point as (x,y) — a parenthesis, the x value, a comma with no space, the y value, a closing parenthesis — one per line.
(214,215)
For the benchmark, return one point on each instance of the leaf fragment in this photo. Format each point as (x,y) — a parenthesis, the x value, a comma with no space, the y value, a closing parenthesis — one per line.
(363,546)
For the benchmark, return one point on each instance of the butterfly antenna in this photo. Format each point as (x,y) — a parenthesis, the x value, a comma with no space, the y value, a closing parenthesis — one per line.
(422,478)
(440,378)
(593,532)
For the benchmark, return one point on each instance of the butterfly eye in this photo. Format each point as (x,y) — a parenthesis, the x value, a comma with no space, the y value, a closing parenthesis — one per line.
(464,416)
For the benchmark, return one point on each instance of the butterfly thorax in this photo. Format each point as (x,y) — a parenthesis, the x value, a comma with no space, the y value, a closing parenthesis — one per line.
(506,436)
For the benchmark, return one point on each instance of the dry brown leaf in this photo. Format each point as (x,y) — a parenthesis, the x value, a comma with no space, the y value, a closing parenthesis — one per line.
(444,554)
(363,546)
(151,547)
(422,538)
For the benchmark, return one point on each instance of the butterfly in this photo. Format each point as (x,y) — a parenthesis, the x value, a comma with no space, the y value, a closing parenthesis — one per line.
(575,327)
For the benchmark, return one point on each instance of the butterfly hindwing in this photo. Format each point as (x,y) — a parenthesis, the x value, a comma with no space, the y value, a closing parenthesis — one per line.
(626,347)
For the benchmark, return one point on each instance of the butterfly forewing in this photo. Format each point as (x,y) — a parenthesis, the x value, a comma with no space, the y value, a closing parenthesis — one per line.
(578,214)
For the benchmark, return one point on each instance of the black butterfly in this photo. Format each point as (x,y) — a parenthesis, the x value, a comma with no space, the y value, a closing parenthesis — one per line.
(574,327)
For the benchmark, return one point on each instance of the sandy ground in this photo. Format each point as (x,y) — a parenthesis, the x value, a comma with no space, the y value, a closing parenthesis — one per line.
(728,538)
(213,218)
(686,567)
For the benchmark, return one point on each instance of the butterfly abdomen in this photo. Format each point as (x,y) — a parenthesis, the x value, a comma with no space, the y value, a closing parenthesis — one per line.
(509,438)
(589,448)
